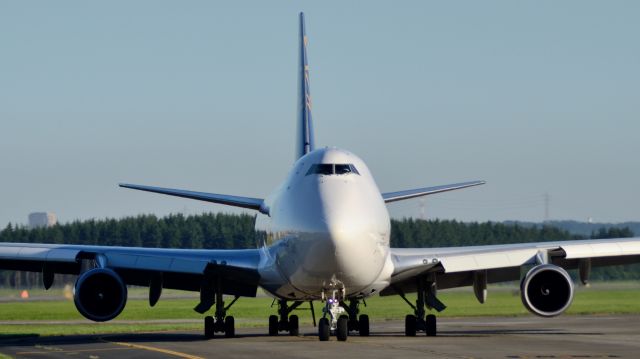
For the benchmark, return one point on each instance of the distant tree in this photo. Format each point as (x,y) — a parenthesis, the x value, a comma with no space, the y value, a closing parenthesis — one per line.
(225,231)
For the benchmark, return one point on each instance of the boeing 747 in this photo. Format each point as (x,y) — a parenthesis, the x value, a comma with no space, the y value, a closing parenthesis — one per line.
(323,236)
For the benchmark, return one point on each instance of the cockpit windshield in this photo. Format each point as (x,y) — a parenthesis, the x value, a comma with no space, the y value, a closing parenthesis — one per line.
(322,169)
(342,169)
(332,169)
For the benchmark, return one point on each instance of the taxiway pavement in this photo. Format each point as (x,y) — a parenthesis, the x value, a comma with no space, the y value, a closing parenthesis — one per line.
(512,338)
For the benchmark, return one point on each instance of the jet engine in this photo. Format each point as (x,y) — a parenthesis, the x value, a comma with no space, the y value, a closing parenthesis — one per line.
(100,294)
(546,290)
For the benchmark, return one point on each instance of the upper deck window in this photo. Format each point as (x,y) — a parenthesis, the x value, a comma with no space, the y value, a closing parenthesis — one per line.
(332,169)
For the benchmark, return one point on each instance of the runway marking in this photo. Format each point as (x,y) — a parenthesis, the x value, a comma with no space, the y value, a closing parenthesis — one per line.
(154,349)
(71,351)
(562,356)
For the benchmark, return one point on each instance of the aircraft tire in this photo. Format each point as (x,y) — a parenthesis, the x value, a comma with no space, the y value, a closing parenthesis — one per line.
(410,325)
(273,325)
(363,325)
(323,329)
(294,327)
(342,331)
(208,327)
(431,325)
(229,327)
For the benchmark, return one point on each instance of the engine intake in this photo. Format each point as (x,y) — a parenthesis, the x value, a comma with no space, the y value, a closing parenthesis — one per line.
(546,290)
(100,294)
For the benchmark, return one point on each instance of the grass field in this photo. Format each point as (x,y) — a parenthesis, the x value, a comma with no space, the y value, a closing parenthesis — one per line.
(48,316)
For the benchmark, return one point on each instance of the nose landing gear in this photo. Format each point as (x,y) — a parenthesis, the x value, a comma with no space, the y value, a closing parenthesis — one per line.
(341,318)
(337,323)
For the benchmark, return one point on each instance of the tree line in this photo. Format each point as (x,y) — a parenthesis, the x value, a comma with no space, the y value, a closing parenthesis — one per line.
(233,231)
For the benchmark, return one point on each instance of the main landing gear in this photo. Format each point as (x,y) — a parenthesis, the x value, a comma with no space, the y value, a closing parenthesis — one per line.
(210,293)
(419,322)
(339,323)
(284,322)
(356,323)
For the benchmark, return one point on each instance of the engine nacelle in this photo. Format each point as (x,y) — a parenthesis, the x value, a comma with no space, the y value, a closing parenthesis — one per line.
(546,290)
(100,294)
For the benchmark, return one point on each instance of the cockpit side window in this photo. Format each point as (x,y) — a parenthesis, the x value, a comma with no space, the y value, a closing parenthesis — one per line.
(331,169)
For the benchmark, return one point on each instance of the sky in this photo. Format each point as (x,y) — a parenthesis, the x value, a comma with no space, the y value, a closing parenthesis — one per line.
(535,97)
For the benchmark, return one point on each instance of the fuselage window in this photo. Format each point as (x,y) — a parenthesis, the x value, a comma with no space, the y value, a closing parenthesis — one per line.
(331,169)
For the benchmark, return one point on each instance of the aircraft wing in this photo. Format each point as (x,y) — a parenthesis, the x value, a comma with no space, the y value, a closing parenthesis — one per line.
(184,269)
(236,201)
(457,266)
(418,192)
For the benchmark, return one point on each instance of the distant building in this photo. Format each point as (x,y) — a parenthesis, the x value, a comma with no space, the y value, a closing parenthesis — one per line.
(42,219)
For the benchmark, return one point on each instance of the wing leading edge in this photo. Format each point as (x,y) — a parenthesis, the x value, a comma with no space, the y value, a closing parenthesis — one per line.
(418,192)
(236,201)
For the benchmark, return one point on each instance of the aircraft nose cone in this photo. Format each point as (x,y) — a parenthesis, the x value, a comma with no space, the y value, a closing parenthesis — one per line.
(358,245)
(346,232)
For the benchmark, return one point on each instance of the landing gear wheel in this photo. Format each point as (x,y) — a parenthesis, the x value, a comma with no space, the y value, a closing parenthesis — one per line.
(342,331)
(229,327)
(410,325)
(431,327)
(363,325)
(323,329)
(294,328)
(273,325)
(208,327)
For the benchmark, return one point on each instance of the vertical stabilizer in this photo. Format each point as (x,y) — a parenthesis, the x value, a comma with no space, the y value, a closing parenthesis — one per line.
(304,141)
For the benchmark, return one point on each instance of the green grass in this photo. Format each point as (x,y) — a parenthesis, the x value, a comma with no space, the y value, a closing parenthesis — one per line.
(252,312)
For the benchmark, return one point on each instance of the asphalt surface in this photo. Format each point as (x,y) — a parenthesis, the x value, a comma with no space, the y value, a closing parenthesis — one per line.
(513,338)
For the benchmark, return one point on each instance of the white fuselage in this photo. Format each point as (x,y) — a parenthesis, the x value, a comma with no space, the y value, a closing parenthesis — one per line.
(325,232)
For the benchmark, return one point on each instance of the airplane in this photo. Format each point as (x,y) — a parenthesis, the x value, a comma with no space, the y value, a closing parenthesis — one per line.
(323,235)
